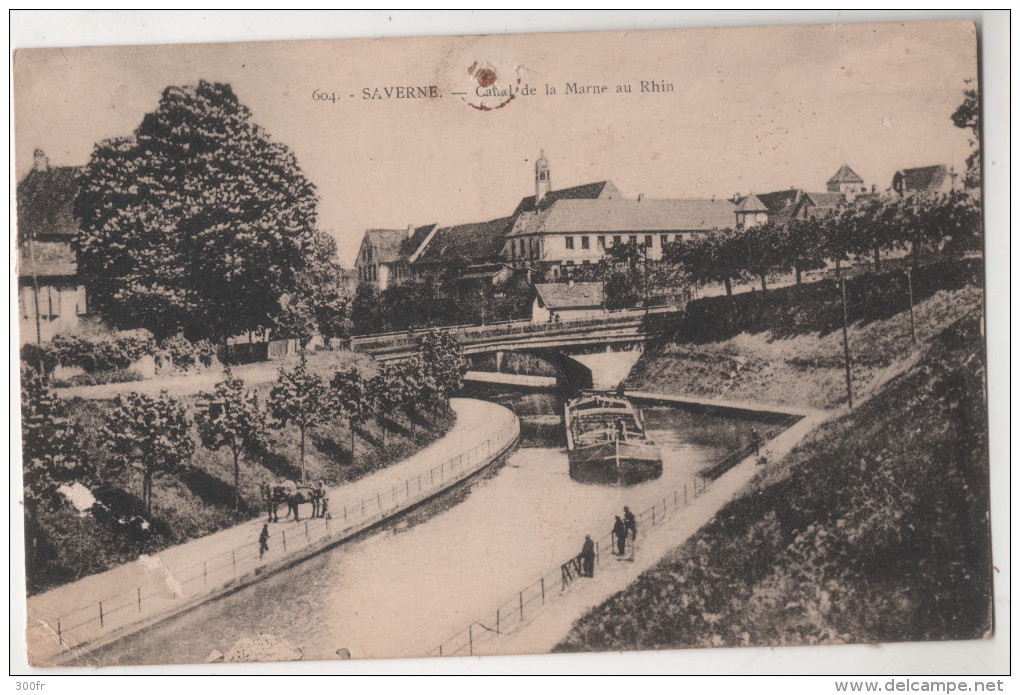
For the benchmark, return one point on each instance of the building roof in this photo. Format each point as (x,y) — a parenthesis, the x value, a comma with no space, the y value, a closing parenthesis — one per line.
(751,203)
(927,178)
(622,216)
(468,243)
(392,245)
(588,191)
(46,203)
(577,295)
(826,200)
(845,175)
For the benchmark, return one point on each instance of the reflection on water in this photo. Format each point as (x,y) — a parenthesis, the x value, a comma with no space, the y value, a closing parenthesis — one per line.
(419,579)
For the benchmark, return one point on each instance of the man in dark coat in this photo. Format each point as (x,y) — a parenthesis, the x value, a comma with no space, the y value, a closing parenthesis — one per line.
(620,534)
(755,441)
(630,523)
(263,540)
(588,557)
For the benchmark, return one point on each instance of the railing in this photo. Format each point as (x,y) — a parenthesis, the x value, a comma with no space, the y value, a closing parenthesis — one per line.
(529,601)
(168,588)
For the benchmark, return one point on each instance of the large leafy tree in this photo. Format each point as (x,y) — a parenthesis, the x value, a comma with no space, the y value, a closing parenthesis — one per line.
(442,362)
(765,250)
(199,222)
(233,418)
(151,434)
(387,393)
(299,398)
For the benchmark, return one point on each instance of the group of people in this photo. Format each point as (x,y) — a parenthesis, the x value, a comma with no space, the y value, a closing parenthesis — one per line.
(624,529)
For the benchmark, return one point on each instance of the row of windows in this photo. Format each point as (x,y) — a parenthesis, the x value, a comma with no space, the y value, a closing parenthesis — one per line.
(53,302)
(648,240)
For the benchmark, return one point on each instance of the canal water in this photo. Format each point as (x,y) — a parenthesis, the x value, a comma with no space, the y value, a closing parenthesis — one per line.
(409,585)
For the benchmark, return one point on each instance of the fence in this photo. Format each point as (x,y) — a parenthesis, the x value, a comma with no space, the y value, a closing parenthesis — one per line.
(530,600)
(168,589)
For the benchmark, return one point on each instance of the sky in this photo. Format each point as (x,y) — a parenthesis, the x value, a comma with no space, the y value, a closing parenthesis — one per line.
(751,109)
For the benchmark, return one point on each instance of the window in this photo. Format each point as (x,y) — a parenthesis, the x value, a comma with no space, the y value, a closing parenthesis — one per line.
(522,247)
(663,239)
(648,240)
(584,243)
(569,240)
(556,272)
(602,242)
(616,240)
(570,263)
(585,262)
(633,238)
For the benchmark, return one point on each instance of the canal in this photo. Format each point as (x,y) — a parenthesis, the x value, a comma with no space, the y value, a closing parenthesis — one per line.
(410,584)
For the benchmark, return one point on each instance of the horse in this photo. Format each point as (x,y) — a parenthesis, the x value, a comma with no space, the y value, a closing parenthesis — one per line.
(293,495)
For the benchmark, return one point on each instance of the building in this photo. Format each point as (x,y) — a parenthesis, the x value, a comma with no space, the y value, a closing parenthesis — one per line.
(46,259)
(555,231)
(846,182)
(567,301)
(930,179)
(385,255)
(472,250)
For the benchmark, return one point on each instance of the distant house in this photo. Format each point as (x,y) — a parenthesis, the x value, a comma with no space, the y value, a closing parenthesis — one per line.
(473,250)
(930,179)
(847,182)
(46,259)
(385,255)
(567,301)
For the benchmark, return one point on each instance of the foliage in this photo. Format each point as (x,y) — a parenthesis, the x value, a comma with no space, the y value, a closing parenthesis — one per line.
(366,309)
(151,434)
(198,223)
(298,398)
(442,361)
(113,376)
(349,397)
(968,116)
(233,418)
(98,354)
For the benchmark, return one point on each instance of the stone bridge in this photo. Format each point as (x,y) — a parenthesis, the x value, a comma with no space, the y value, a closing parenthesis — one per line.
(593,354)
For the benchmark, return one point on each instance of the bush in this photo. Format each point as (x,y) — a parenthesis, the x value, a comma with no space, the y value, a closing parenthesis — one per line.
(177,353)
(99,354)
(113,376)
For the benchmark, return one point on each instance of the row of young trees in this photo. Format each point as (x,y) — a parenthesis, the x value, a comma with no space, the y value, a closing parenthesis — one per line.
(865,228)
(153,434)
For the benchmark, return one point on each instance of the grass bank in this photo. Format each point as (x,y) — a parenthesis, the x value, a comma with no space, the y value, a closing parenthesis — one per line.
(198,498)
(787,348)
(875,529)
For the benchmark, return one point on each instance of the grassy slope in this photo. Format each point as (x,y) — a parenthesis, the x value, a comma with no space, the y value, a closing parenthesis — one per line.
(198,499)
(874,530)
(805,369)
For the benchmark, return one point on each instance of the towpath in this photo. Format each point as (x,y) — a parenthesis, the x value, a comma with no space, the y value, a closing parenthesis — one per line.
(142,592)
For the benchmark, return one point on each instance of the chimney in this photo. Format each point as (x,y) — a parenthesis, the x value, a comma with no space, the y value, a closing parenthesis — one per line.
(713,197)
(40,162)
(872,188)
(410,231)
(640,196)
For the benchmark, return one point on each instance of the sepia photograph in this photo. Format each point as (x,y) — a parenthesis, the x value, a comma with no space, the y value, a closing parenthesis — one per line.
(450,346)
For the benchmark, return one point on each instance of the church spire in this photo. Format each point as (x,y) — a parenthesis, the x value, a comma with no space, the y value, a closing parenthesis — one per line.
(543,180)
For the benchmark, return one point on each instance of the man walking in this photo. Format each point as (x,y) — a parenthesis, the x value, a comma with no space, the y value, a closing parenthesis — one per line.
(263,540)
(755,441)
(588,558)
(620,534)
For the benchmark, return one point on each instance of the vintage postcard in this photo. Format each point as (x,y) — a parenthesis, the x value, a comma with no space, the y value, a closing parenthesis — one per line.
(502,344)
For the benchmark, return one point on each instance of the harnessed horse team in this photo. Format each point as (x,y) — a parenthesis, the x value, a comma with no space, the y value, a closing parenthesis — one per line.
(293,495)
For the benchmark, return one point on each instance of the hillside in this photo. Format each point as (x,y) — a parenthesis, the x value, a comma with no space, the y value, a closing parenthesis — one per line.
(875,529)
(788,347)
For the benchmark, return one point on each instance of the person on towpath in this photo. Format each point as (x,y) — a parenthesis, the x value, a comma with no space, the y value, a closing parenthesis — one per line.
(587,557)
(263,540)
(620,534)
(755,441)
(630,523)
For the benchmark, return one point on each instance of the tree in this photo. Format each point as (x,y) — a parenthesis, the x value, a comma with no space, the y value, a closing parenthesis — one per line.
(151,434)
(198,223)
(366,310)
(804,245)
(51,451)
(387,392)
(349,395)
(295,320)
(968,116)
(705,259)
(411,386)
(835,239)
(442,362)
(233,418)
(298,398)
(765,250)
